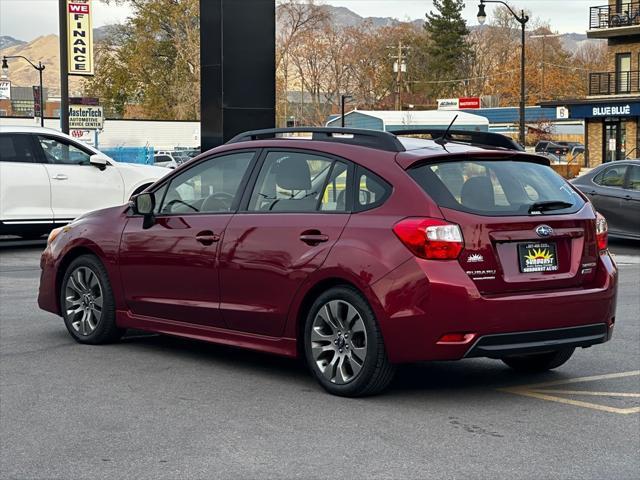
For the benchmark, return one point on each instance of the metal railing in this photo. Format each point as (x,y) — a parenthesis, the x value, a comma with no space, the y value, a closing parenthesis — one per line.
(614,83)
(614,16)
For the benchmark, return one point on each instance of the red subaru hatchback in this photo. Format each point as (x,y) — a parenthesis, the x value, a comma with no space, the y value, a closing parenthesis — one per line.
(356,250)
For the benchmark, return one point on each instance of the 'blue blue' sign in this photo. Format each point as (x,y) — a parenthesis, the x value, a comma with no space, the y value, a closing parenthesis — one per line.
(597,110)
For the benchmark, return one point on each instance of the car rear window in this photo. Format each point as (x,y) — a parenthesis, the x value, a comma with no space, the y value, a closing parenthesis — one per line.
(496,187)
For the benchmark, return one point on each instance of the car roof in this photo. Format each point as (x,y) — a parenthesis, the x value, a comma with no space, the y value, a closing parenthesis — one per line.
(46,131)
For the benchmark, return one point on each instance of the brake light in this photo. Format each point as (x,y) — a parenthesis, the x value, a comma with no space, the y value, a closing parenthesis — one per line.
(430,238)
(602,232)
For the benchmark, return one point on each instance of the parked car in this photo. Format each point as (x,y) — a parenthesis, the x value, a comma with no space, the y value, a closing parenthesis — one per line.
(165,160)
(355,249)
(614,189)
(555,148)
(47,179)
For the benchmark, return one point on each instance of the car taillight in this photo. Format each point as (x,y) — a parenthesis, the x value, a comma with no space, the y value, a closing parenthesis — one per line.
(601,232)
(430,238)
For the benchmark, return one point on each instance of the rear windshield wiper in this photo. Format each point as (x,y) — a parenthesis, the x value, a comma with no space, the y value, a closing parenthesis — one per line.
(548,206)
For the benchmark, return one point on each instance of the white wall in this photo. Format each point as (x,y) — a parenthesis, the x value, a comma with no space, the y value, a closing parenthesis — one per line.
(133,133)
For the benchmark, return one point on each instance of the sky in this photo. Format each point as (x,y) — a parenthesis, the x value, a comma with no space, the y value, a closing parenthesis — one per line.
(28,19)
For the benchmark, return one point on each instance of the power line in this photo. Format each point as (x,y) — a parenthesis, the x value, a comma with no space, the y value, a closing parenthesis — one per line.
(506,72)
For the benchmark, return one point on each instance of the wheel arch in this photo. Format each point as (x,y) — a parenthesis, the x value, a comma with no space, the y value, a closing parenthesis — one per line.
(66,260)
(306,296)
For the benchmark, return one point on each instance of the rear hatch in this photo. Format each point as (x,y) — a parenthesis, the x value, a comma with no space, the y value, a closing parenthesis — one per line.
(525,229)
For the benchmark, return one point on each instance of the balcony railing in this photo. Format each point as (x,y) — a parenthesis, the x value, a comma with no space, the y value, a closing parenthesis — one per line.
(613,16)
(614,83)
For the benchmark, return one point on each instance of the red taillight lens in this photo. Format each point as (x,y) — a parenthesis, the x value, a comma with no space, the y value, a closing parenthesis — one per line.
(602,232)
(457,338)
(430,238)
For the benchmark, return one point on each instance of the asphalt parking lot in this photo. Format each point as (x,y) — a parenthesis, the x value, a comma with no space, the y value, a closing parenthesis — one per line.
(158,407)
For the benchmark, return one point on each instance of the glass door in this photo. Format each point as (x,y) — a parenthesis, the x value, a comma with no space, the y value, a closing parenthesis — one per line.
(615,140)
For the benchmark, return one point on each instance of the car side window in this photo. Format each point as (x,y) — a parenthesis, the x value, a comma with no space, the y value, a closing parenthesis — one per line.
(372,190)
(211,186)
(612,176)
(634,178)
(16,148)
(60,152)
(290,182)
(334,197)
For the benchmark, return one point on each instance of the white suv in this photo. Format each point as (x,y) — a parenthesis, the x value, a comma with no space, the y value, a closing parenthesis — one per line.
(47,179)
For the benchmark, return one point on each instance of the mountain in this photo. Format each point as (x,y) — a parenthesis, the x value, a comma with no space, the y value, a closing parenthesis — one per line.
(45,49)
(6,41)
(572,42)
(344,17)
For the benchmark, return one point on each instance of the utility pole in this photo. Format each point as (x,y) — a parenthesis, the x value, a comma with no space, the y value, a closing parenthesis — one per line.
(343,101)
(544,55)
(64,67)
(399,67)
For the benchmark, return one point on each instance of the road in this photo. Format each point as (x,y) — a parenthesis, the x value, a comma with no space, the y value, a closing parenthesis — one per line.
(154,407)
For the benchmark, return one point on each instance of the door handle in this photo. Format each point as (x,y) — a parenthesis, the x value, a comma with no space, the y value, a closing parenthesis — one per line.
(60,176)
(627,197)
(207,237)
(313,237)
(593,192)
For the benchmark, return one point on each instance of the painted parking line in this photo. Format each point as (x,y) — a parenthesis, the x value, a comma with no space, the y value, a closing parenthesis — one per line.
(542,392)
(626,259)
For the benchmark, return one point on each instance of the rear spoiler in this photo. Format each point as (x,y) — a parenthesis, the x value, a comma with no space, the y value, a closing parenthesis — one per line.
(484,139)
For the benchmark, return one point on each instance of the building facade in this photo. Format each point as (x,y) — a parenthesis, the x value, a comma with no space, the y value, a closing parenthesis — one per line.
(612,108)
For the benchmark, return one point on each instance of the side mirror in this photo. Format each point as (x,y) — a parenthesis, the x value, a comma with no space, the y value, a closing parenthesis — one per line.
(144,204)
(99,161)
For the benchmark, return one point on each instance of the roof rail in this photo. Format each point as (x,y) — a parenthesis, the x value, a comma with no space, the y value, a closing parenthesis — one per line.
(486,139)
(353,136)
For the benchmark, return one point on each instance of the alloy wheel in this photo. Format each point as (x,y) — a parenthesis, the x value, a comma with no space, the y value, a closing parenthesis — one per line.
(83,300)
(338,341)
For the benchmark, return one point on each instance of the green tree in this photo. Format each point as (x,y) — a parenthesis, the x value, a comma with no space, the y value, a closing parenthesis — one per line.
(447,46)
(149,67)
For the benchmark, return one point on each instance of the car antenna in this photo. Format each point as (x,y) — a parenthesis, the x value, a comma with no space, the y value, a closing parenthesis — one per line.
(442,141)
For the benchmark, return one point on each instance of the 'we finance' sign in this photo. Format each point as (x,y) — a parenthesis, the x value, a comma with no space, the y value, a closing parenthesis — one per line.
(79,37)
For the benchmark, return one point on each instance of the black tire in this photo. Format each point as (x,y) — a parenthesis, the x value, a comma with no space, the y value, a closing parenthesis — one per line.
(375,371)
(539,362)
(105,329)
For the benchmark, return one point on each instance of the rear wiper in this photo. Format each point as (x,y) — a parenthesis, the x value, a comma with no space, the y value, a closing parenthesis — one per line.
(548,206)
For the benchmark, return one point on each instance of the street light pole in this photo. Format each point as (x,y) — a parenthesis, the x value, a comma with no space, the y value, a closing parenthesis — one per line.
(522,20)
(40,68)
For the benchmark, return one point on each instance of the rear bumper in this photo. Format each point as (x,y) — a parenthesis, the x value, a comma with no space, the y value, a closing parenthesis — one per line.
(421,301)
(538,341)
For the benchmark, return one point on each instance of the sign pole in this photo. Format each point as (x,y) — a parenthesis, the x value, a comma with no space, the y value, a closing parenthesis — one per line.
(64,67)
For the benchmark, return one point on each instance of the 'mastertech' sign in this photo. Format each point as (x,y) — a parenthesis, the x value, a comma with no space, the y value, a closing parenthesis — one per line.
(79,37)
(83,117)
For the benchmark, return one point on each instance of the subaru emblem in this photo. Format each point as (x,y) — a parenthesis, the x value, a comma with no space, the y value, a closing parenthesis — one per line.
(544,231)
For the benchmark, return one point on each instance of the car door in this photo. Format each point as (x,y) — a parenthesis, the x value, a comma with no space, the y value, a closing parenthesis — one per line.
(288,223)
(76,185)
(169,270)
(606,194)
(630,202)
(25,190)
